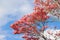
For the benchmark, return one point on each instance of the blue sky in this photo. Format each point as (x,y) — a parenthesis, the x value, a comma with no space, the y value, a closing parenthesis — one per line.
(13,10)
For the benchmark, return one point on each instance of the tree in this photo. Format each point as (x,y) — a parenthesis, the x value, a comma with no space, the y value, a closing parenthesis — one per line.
(27,25)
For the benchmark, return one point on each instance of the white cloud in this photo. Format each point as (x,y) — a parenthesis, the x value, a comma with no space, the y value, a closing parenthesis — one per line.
(2,10)
(52,35)
(25,8)
(2,37)
(10,7)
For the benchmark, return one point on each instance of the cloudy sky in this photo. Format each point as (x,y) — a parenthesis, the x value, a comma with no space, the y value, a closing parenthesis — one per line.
(13,10)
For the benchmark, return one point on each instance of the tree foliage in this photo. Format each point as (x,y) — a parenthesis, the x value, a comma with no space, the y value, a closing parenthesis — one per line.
(27,25)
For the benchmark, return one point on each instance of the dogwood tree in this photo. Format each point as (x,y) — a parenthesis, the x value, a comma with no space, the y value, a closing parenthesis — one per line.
(28,25)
